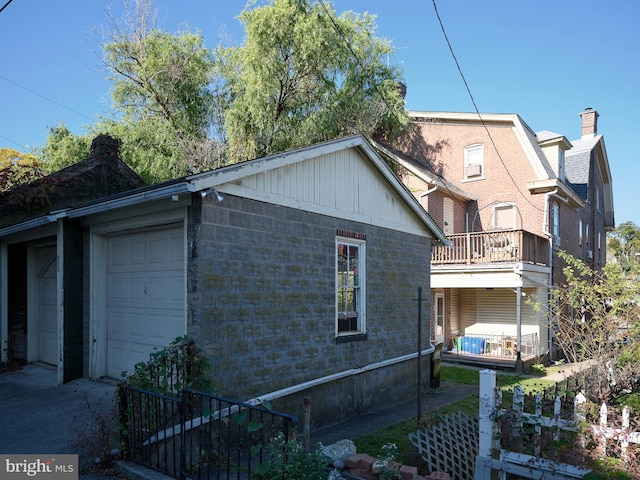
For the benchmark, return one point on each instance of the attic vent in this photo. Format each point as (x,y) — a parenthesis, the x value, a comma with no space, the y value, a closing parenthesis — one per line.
(473,170)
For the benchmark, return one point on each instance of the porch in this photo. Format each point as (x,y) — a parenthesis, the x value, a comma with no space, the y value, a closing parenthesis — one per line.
(491,247)
(497,350)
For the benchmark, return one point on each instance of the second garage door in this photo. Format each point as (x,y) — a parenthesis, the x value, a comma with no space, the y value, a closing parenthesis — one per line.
(145,295)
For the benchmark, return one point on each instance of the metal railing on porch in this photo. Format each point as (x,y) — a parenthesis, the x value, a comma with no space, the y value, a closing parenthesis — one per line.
(495,346)
(198,435)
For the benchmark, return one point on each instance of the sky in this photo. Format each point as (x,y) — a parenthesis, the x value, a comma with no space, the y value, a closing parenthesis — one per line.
(546,60)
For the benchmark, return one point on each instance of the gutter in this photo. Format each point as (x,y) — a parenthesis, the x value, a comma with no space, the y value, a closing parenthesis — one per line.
(120,202)
(129,200)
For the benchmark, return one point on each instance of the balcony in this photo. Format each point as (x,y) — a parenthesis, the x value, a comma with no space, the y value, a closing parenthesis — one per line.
(493,247)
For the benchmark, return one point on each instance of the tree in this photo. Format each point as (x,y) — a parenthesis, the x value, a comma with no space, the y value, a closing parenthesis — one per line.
(306,75)
(598,320)
(165,82)
(63,148)
(17,168)
(624,245)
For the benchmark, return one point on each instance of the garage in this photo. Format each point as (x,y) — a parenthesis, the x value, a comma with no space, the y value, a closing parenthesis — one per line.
(47,320)
(145,295)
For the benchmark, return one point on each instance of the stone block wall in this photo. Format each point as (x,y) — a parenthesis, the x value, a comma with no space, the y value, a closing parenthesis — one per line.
(261,297)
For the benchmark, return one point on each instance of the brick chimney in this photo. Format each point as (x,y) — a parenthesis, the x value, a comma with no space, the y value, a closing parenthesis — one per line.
(589,122)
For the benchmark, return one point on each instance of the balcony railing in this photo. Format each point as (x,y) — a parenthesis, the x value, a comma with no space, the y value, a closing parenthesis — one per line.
(491,247)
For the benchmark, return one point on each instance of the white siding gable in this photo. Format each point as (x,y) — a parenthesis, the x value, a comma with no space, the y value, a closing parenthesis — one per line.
(343,184)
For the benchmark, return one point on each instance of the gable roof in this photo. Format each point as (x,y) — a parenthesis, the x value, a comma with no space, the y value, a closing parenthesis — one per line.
(238,177)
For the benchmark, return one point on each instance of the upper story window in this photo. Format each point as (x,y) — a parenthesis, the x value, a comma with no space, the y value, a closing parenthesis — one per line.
(504,217)
(555,219)
(350,282)
(561,164)
(474,161)
(580,239)
(597,199)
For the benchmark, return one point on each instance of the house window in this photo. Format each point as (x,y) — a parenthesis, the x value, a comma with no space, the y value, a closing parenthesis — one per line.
(580,240)
(598,199)
(587,241)
(599,248)
(504,217)
(561,164)
(474,161)
(350,281)
(556,225)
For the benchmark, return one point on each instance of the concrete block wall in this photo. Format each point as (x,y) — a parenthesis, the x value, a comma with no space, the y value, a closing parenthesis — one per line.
(262,296)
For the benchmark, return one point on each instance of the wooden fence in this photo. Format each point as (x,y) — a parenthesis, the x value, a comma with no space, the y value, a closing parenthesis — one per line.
(533,426)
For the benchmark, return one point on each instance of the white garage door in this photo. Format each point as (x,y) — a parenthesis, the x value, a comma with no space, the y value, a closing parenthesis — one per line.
(145,296)
(47,318)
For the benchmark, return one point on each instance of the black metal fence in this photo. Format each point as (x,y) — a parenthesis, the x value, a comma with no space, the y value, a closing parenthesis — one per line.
(168,370)
(200,435)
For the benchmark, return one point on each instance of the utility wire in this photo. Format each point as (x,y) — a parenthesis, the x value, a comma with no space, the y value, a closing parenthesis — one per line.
(5,5)
(46,98)
(426,162)
(455,59)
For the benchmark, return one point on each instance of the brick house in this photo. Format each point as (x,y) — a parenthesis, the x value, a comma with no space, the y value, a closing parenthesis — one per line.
(508,199)
(295,273)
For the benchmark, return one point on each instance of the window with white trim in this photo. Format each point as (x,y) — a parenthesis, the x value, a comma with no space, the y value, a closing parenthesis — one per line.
(561,164)
(556,225)
(474,161)
(350,286)
(580,239)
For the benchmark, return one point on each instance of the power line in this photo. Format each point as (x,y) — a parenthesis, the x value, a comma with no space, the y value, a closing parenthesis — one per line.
(22,147)
(426,163)
(455,59)
(46,98)
(5,5)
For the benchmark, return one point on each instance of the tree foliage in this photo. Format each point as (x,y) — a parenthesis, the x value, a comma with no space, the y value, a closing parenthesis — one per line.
(598,320)
(306,75)
(624,245)
(303,75)
(17,168)
(63,148)
(164,89)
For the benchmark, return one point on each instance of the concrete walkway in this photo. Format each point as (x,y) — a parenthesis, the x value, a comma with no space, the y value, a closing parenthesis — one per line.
(40,417)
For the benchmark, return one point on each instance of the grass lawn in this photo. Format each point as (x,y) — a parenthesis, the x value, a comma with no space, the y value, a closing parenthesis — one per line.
(398,433)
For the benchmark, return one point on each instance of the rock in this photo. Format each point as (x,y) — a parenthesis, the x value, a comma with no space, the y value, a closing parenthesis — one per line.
(340,450)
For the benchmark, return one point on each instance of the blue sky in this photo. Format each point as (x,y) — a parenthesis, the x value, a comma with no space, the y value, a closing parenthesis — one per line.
(546,61)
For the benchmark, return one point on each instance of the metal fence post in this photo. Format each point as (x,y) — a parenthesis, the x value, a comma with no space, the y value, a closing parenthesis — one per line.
(123,419)
(306,440)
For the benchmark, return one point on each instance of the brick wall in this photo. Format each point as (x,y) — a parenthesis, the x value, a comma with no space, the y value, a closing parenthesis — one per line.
(261,300)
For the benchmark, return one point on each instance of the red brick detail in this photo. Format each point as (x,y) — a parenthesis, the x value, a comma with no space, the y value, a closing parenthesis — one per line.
(360,460)
(438,476)
(408,473)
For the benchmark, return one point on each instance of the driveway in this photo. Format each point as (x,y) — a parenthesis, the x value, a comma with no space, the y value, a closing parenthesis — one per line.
(37,416)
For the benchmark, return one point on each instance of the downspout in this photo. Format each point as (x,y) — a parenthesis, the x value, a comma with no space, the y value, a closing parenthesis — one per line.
(422,195)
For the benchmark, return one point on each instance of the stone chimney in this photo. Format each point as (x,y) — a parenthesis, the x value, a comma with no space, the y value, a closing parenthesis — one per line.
(105,146)
(589,123)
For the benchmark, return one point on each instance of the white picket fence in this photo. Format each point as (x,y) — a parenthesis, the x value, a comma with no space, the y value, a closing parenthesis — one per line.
(534,467)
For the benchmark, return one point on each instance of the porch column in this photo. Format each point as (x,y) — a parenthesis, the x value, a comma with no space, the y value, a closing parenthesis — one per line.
(4,300)
(518,329)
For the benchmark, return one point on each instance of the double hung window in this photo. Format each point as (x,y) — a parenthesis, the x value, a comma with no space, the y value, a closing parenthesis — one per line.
(350,275)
